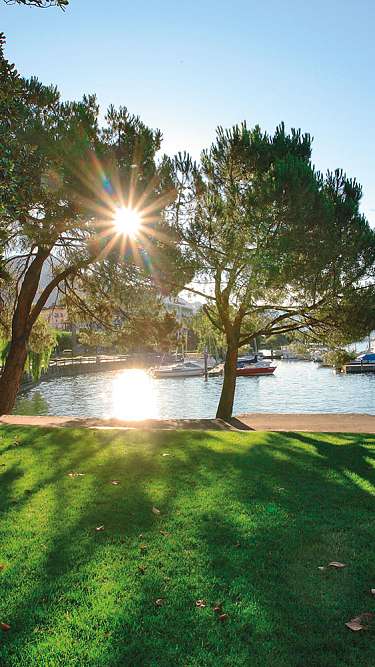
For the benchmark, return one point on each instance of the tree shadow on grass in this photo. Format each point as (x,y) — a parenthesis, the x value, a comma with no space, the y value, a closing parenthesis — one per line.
(245,524)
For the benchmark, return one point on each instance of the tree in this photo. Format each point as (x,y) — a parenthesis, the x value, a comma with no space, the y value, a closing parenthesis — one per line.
(276,341)
(208,336)
(338,358)
(43,4)
(64,178)
(277,247)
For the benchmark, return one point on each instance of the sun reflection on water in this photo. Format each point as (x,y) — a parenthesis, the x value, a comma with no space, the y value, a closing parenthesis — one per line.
(133,395)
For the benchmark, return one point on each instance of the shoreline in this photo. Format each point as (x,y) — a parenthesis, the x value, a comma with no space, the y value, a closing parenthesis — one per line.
(284,422)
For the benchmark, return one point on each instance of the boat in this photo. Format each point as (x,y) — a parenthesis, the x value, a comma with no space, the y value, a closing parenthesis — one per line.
(252,366)
(365,358)
(216,371)
(180,370)
(247,367)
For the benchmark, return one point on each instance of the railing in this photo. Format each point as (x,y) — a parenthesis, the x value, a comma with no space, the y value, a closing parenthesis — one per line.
(79,360)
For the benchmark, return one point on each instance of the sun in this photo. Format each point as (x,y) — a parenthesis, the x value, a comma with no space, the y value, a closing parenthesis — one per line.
(127,221)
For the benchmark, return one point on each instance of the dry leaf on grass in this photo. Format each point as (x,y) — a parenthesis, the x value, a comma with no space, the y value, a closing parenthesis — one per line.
(165,454)
(76,474)
(223,617)
(218,607)
(354,625)
(322,568)
(143,547)
(2,566)
(200,603)
(164,532)
(115,482)
(99,528)
(5,627)
(155,510)
(360,622)
(159,602)
(336,564)
(372,590)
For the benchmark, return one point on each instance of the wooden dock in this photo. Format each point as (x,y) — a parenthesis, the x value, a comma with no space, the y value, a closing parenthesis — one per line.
(359,368)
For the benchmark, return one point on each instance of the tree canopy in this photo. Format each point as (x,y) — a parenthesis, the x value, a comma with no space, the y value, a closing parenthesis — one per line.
(42,4)
(278,246)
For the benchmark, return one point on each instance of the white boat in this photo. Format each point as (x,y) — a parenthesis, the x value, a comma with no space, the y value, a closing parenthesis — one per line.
(181,370)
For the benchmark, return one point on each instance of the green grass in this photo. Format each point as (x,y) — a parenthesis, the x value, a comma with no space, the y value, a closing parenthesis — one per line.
(77,597)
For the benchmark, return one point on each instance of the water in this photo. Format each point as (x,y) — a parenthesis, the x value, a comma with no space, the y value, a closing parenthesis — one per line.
(133,394)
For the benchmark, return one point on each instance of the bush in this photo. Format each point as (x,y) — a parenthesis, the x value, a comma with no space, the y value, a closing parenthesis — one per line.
(64,340)
(338,358)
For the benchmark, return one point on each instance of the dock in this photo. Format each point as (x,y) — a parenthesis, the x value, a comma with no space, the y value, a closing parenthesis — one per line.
(359,368)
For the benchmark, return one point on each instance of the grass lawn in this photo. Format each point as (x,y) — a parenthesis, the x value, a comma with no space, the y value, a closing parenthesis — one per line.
(245,520)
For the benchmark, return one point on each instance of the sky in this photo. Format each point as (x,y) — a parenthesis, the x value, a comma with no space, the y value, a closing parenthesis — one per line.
(188,66)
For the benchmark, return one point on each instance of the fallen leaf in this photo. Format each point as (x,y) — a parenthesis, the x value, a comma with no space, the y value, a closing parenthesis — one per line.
(223,617)
(200,603)
(115,482)
(218,608)
(76,474)
(322,568)
(360,622)
(159,602)
(165,533)
(143,547)
(336,564)
(155,510)
(354,625)
(2,566)
(5,627)
(165,454)
(99,528)
(372,590)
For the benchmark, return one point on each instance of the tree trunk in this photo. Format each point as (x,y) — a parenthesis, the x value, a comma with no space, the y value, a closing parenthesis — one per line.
(11,377)
(22,324)
(225,407)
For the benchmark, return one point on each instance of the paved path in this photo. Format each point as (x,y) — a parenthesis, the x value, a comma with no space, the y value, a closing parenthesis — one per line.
(318,422)
(334,423)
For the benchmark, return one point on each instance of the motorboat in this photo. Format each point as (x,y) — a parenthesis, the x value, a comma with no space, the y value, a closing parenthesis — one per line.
(180,370)
(247,366)
(251,366)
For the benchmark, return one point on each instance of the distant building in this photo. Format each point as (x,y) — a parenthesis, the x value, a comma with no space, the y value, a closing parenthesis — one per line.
(183,310)
(57,317)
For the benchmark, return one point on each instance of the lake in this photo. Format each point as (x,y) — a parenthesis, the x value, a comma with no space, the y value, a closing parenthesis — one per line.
(296,386)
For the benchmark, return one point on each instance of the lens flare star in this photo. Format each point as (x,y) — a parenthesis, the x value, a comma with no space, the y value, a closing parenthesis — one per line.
(127,221)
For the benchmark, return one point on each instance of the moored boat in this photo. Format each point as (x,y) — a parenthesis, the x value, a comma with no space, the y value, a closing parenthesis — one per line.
(255,369)
(250,366)
(247,367)
(183,369)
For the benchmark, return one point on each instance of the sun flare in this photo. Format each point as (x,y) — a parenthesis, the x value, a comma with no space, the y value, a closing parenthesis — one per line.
(127,221)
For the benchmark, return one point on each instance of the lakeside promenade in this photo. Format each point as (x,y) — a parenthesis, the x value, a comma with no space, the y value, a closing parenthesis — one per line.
(308,422)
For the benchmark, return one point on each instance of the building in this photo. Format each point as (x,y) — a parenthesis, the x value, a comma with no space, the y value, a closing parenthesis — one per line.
(181,308)
(57,317)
